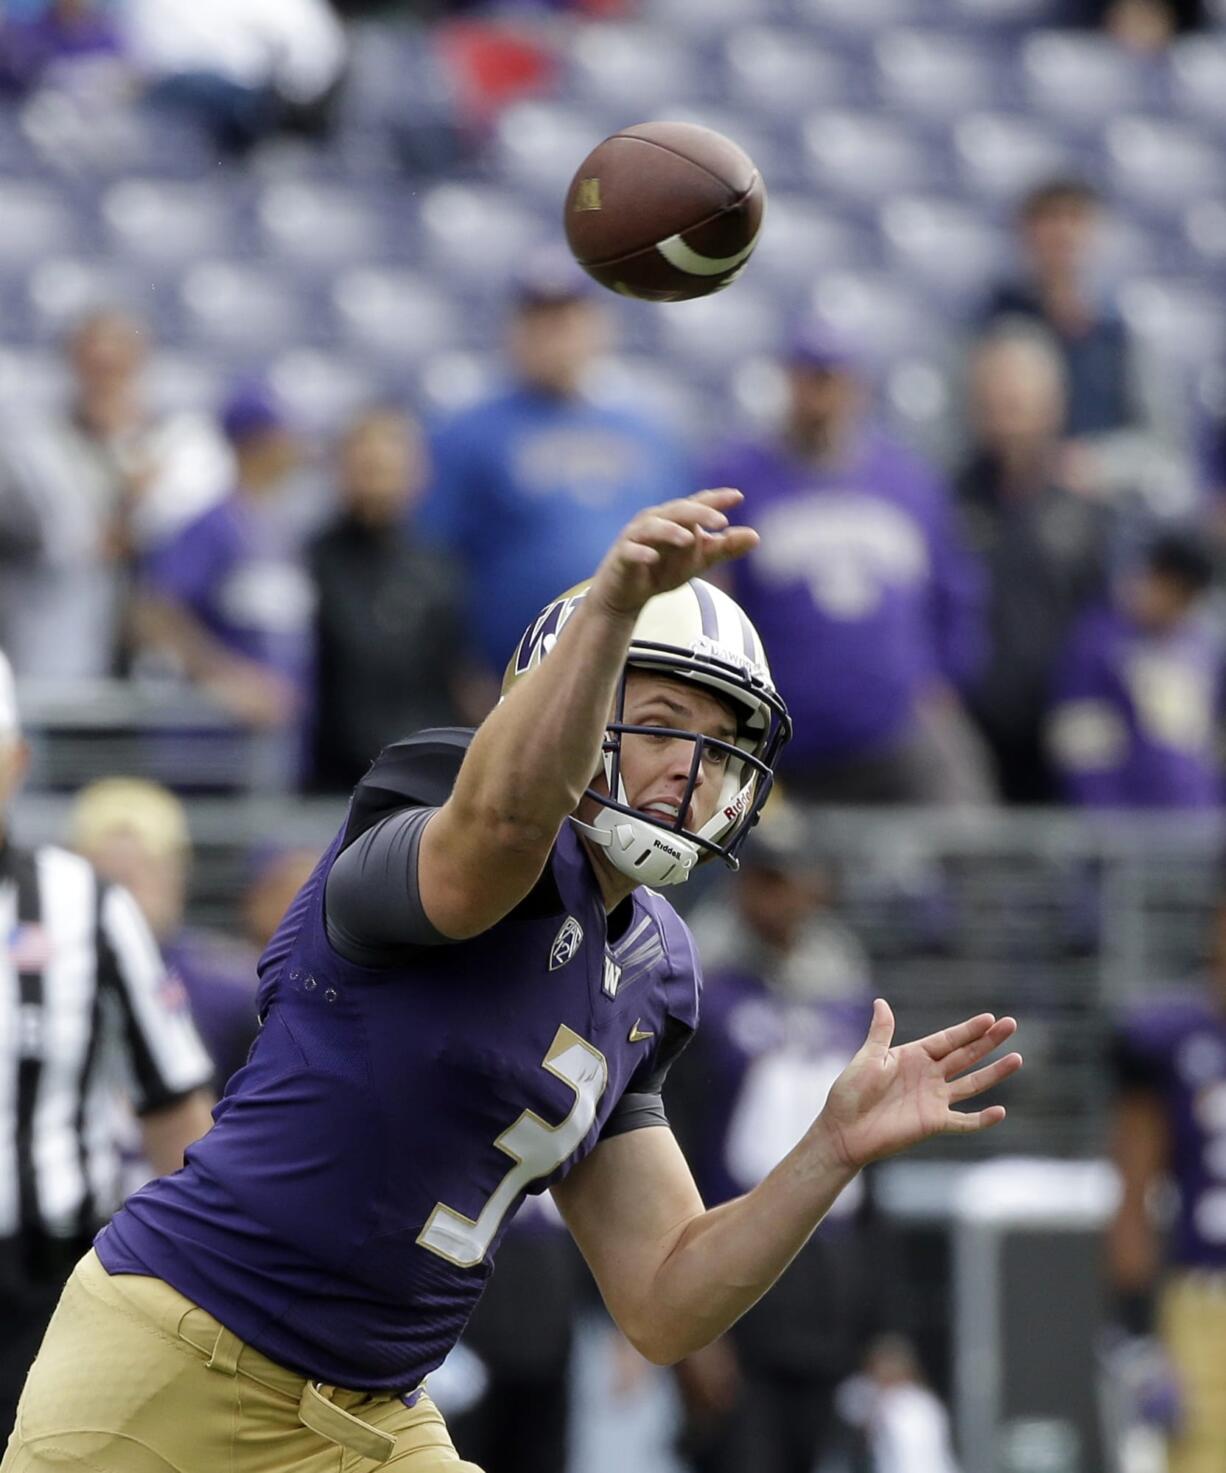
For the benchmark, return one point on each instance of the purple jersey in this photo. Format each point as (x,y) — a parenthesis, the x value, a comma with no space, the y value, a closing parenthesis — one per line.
(859,589)
(219,978)
(1177,1049)
(239,569)
(343,1214)
(1134,721)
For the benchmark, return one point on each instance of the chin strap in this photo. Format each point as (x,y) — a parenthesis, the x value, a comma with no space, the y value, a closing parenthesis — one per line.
(639,850)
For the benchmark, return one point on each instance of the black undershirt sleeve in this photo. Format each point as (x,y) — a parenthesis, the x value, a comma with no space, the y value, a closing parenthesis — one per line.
(372,904)
(642,1103)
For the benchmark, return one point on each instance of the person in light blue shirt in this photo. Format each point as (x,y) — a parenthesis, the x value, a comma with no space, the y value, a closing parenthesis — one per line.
(531,484)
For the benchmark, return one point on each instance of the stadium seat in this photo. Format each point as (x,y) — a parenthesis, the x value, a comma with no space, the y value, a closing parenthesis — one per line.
(783,71)
(945,245)
(634,68)
(1204,230)
(1006,16)
(453,379)
(859,18)
(713,332)
(481,231)
(879,315)
(323,390)
(1183,319)
(1198,77)
(62,288)
(320,223)
(704,17)
(398,316)
(237,306)
(934,73)
(32,380)
(1162,165)
(36,221)
(757,391)
(1001,154)
(169,221)
(538,145)
(804,239)
(862,155)
(1080,78)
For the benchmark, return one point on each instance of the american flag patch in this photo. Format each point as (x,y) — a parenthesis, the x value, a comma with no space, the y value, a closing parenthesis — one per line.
(171,992)
(29,947)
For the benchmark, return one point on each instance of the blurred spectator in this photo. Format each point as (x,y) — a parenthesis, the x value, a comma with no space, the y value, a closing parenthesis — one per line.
(135,834)
(62,37)
(1138,694)
(241,69)
(1044,548)
(1170,1127)
(785,1003)
(1122,435)
(228,600)
(1141,26)
(532,485)
(276,874)
(905,1424)
(863,593)
(389,613)
(82,490)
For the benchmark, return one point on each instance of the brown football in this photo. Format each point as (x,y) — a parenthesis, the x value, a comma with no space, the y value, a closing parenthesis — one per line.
(665,211)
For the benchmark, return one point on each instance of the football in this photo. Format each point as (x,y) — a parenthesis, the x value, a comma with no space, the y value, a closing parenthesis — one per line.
(665,211)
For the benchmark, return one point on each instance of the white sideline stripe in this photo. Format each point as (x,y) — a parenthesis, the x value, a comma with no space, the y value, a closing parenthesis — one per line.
(686,258)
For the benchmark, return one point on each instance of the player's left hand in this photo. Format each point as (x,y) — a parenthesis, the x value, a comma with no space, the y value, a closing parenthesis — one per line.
(889,1098)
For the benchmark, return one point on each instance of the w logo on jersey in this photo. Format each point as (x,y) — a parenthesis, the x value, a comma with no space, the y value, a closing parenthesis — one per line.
(565,944)
(543,634)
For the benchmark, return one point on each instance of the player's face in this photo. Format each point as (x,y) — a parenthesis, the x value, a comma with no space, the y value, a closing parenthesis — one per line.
(656,769)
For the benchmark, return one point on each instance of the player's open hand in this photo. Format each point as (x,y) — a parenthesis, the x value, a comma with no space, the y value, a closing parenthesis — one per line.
(889,1098)
(665,546)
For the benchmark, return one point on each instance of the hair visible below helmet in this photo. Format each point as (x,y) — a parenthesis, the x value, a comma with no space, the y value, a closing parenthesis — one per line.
(697,634)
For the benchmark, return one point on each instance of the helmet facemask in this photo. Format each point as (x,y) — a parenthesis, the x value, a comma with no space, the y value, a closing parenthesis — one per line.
(647,846)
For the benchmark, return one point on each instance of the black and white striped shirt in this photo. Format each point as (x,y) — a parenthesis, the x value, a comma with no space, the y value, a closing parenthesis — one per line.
(87,1013)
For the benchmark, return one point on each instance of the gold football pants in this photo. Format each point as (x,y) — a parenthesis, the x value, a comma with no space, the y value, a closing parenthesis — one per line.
(1193,1323)
(134,1378)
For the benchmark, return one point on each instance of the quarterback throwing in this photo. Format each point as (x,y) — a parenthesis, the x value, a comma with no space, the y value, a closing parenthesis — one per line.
(476,995)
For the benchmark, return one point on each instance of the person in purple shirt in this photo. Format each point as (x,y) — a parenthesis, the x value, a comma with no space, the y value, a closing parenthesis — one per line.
(1137,697)
(1170,1126)
(865,595)
(228,600)
(477,995)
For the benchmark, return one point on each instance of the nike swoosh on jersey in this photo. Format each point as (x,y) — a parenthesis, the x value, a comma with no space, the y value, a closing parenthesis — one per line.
(637,1034)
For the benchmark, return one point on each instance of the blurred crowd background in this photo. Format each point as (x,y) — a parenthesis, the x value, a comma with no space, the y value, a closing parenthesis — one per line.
(304,414)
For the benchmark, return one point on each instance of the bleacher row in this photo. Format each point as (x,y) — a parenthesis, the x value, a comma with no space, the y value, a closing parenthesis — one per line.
(894,149)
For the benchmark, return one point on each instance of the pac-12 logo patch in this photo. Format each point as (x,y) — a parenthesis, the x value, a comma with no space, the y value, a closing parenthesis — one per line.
(565,943)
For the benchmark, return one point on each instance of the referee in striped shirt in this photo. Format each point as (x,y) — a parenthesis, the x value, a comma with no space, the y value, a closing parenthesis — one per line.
(87,1014)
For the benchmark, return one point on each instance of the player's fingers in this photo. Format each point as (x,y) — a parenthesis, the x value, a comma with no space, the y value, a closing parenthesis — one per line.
(881,1029)
(971,1053)
(975,1084)
(733,543)
(964,1122)
(658,531)
(938,1045)
(691,512)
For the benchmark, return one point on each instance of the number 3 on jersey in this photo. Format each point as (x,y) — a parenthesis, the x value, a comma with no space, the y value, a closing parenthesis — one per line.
(536,1148)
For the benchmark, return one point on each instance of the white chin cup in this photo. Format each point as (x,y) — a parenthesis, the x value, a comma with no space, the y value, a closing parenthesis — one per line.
(640,850)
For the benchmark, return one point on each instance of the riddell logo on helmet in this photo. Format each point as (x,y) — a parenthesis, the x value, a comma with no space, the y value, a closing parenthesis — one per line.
(740,803)
(668,849)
